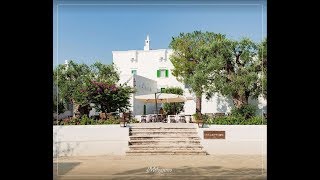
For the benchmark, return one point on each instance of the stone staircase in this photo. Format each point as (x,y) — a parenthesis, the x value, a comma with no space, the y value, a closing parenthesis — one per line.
(164,139)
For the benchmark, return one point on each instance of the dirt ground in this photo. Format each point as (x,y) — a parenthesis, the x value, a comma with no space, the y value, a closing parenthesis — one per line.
(236,167)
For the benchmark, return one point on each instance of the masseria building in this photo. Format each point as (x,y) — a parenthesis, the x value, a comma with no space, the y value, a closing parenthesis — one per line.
(150,70)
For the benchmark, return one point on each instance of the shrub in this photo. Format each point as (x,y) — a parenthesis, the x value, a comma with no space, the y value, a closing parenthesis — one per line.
(101,121)
(246,111)
(204,117)
(256,120)
(134,120)
(85,120)
(112,120)
(237,120)
(69,121)
(226,120)
(196,116)
(173,108)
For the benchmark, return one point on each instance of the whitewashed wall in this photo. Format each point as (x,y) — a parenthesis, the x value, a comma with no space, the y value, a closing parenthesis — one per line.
(99,140)
(148,62)
(240,139)
(90,140)
(144,86)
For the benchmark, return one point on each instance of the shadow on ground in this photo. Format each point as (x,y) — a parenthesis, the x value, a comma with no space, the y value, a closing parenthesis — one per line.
(187,172)
(62,168)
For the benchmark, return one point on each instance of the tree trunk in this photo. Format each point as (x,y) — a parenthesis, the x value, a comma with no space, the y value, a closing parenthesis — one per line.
(240,100)
(198,105)
(75,107)
(103,109)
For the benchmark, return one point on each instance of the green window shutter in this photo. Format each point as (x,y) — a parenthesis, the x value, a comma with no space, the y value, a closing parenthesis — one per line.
(158,73)
(167,72)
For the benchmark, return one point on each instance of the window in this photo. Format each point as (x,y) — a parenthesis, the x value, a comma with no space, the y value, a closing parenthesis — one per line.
(134,71)
(162,73)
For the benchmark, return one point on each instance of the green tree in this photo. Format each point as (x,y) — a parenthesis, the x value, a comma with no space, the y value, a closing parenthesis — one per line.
(233,69)
(262,51)
(59,105)
(108,97)
(172,108)
(79,84)
(187,58)
(70,79)
(104,73)
(211,63)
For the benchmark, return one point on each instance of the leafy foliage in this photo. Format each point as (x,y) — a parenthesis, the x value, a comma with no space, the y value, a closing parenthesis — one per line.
(61,106)
(187,56)
(172,108)
(246,111)
(108,97)
(233,70)
(263,59)
(84,120)
(211,63)
(134,120)
(188,60)
(237,120)
(82,85)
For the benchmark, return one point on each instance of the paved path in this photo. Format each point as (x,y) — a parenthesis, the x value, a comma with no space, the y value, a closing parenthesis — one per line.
(161,167)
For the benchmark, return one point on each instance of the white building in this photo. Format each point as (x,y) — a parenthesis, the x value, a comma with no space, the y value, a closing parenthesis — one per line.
(149,70)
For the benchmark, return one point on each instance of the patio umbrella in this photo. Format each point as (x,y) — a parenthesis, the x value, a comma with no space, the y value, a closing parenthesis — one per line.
(162,98)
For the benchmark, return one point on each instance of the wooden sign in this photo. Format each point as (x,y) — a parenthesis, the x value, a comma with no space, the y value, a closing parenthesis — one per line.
(214,134)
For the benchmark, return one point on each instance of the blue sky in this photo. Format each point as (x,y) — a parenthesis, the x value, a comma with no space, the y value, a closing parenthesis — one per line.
(89,33)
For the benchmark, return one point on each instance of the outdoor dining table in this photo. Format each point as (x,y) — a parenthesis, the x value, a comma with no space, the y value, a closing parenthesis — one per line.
(176,117)
(149,116)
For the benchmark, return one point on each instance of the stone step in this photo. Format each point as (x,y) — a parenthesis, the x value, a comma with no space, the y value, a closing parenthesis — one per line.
(170,134)
(169,148)
(164,142)
(181,130)
(163,128)
(157,154)
(166,135)
(176,134)
(166,152)
(163,125)
(164,138)
(165,146)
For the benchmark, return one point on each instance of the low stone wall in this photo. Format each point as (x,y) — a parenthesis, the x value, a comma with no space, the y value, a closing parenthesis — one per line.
(96,140)
(90,140)
(239,139)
